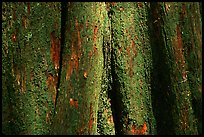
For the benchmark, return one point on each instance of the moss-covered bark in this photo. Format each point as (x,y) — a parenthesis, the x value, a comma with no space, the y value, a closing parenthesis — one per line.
(101,68)
(171,67)
(82,66)
(131,64)
(27,66)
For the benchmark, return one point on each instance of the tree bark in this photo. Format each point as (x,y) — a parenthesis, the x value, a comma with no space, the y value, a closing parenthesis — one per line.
(171,84)
(131,65)
(82,68)
(28,71)
(105,68)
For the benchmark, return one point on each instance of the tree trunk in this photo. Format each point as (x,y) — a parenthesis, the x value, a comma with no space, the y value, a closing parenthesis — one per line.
(130,68)
(102,68)
(171,22)
(28,71)
(82,68)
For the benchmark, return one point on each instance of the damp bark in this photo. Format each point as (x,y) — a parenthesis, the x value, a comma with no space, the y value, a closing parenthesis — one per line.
(29,74)
(101,68)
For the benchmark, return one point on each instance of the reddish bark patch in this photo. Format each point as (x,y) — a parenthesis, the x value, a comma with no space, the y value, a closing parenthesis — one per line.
(94,49)
(134,130)
(90,119)
(28,8)
(95,34)
(144,128)
(87,23)
(52,84)
(90,54)
(178,48)
(13,37)
(110,119)
(140,131)
(139,5)
(128,51)
(73,103)
(134,48)
(55,50)
(183,11)
(76,50)
(69,70)
(113,3)
(179,37)
(85,74)
(24,21)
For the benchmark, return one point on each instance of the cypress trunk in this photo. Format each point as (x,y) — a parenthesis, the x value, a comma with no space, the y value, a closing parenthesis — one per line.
(89,68)
(29,76)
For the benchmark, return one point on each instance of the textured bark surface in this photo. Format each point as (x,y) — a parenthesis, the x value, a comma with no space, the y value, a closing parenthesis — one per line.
(172,74)
(29,76)
(81,74)
(131,64)
(82,68)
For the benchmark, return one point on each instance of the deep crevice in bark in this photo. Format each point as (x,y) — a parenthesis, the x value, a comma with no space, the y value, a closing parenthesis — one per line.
(160,79)
(63,28)
(114,94)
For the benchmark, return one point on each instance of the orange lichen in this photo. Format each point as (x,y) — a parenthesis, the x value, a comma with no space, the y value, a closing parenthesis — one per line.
(140,131)
(144,128)
(110,119)
(85,74)
(73,103)
(13,37)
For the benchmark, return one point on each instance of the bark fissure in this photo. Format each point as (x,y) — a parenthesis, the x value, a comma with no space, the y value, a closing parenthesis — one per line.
(102,68)
(114,89)
(63,28)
